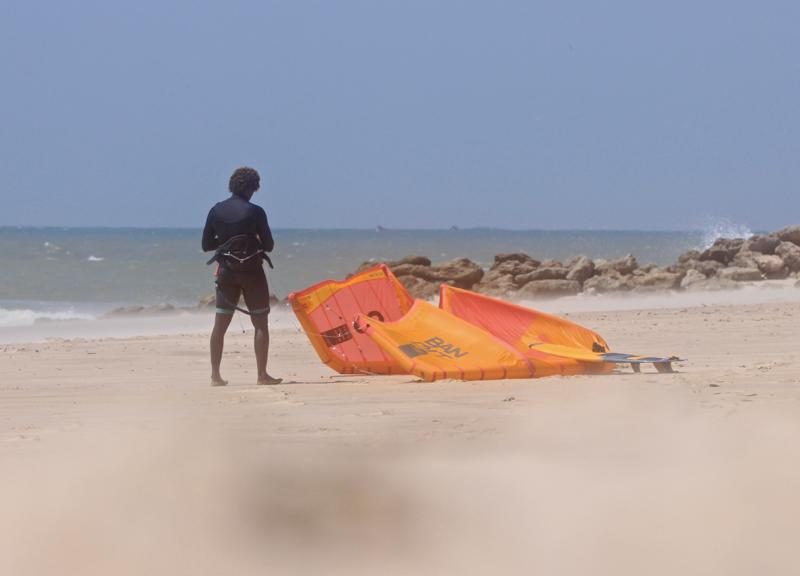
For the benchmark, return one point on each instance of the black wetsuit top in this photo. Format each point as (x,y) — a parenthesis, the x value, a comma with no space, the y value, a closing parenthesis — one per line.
(227,219)
(236,216)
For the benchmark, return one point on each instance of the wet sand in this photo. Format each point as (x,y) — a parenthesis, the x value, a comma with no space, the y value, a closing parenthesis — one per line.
(118,458)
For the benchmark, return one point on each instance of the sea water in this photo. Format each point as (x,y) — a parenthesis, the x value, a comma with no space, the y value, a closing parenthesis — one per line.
(79,273)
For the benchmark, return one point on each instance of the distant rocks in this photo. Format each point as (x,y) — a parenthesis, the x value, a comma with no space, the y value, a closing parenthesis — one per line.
(790,234)
(739,274)
(725,265)
(790,254)
(550,288)
(154,310)
(206,302)
(210,301)
(761,244)
(422,279)
(581,269)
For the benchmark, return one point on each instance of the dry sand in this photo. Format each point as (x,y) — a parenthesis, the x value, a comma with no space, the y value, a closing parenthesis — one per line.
(118,458)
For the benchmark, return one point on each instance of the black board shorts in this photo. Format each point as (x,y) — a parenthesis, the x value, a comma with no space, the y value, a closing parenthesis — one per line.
(231,285)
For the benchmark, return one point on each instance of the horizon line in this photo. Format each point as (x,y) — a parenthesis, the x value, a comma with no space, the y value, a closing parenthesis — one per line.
(376,229)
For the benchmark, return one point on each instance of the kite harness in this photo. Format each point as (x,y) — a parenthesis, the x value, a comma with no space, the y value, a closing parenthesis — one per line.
(240,253)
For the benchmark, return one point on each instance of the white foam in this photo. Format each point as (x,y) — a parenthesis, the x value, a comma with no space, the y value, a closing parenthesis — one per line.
(723,228)
(91,327)
(26,317)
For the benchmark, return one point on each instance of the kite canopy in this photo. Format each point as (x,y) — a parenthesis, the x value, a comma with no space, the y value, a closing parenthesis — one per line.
(433,344)
(327,310)
(528,331)
(370,324)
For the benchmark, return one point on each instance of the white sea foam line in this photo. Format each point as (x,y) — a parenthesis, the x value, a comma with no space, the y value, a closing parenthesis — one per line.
(127,327)
(26,317)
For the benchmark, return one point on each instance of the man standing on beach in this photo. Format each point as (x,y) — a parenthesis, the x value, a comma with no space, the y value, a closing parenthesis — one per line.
(239,232)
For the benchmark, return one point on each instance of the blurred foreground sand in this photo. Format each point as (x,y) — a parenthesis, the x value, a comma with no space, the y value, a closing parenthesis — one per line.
(118,458)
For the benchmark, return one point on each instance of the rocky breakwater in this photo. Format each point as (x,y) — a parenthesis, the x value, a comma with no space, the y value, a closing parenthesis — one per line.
(422,278)
(207,302)
(726,264)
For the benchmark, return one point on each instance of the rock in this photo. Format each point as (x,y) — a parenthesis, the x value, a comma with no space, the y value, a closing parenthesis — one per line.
(677,267)
(690,255)
(502,285)
(692,277)
(515,257)
(707,267)
(761,244)
(738,274)
(513,267)
(413,259)
(745,259)
(712,284)
(789,234)
(126,311)
(681,267)
(410,270)
(790,254)
(143,310)
(419,288)
(723,250)
(572,260)
(552,264)
(771,266)
(550,288)
(210,301)
(541,274)
(658,280)
(580,269)
(410,260)
(613,282)
(646,269)
(495,276)
(625,265)
(462,273)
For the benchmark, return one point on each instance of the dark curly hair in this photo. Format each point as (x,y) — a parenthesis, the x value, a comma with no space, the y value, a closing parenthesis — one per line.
(244,182)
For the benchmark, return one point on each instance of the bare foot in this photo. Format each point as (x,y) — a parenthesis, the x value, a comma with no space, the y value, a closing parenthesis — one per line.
(269,380)
(218,381)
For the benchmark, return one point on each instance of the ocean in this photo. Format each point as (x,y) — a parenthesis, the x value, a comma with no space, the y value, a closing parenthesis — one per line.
(82,273)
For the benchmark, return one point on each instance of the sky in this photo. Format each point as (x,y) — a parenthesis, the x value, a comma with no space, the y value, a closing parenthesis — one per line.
(413,114)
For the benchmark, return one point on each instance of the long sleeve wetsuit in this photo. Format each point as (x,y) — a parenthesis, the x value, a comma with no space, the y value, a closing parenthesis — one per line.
(229,218)
(236,216)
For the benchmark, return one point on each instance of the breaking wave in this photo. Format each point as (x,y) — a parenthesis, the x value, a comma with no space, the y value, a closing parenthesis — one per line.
(723,228)
(27,317)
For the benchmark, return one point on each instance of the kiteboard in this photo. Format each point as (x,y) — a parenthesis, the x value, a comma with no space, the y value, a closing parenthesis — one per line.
(662,364)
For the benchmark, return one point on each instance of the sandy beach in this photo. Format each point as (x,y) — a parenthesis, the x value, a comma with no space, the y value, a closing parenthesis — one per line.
(118,458)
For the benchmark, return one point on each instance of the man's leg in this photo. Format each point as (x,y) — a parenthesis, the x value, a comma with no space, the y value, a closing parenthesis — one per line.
(256,296)
(261,345)
(221,322)
(228,292)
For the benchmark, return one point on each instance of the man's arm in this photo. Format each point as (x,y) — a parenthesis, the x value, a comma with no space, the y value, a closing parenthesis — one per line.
(264,233)
(209,237)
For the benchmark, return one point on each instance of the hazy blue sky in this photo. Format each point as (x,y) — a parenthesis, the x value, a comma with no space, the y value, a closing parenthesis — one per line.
(513,114)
